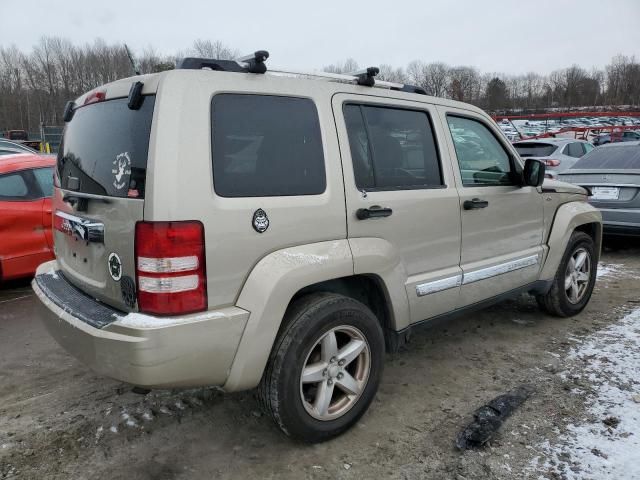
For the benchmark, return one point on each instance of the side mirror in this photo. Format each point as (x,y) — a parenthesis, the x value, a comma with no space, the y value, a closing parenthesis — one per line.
(533,172)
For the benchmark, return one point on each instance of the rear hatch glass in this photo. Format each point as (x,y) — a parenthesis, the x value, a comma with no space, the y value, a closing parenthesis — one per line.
(104,153)
(105,147)
(535,149)
(614,157)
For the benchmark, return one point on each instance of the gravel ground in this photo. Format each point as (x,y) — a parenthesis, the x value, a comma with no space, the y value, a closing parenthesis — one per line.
(58,420)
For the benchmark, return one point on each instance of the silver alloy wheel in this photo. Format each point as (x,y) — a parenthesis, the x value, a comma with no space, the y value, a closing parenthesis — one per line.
(577,275)
(335,373)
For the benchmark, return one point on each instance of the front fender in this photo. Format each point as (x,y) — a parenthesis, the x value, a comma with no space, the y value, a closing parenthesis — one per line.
(266,294)
(568,217)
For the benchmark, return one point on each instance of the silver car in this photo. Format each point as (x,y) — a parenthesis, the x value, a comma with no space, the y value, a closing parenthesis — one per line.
(558,154)
(612,173)
(7,147)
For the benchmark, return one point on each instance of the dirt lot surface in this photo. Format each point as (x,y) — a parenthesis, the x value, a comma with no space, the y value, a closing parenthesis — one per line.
(59,420)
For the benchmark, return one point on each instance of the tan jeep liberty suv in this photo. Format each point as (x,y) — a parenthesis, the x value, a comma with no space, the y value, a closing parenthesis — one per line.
(218,224)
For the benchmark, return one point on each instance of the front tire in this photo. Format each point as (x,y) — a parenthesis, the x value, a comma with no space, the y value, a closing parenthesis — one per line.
(325,367)
(574,281)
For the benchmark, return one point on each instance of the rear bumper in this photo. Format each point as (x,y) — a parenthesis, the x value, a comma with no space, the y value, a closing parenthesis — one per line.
(155,352)
(619,221)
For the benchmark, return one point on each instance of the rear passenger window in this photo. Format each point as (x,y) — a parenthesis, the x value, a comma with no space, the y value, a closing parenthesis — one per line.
(574,150)
(392,148)
(266,146)
(13,187)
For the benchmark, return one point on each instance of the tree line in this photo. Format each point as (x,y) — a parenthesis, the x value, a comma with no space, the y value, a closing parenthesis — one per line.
(35,85)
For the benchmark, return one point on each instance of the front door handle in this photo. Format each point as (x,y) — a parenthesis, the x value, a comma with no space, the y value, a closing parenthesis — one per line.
(475,204)
(375,211)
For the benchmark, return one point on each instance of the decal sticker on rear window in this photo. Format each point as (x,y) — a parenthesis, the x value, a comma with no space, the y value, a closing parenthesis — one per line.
(121,170)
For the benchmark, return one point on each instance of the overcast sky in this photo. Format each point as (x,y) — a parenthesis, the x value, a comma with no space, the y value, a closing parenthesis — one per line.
(513,36)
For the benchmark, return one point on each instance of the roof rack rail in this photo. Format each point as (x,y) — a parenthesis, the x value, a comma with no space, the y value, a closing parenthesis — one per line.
(255,63)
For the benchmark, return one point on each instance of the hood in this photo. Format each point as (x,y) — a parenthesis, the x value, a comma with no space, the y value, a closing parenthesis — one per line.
(557,186)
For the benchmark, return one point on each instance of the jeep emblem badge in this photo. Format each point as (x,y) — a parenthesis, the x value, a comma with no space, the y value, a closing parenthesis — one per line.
(114,266)
(260,221)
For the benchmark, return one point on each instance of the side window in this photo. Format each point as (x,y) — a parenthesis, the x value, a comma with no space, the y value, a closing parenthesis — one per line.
(587,147)
(392,148)
(13,187)
(44,177)
(481,157)
(266,146)
(574,150)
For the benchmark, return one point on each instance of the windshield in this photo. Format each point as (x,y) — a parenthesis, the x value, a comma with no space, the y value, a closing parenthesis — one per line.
(105,147)
(614,157)
(535,149)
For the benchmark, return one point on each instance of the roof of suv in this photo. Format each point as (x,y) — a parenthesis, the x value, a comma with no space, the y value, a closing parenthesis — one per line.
(152,84)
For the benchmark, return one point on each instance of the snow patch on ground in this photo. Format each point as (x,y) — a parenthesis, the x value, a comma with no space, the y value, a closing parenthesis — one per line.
(606,444)
(609,270)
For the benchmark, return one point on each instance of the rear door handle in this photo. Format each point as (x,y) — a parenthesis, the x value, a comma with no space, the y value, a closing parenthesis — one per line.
(474,204)
(375,211)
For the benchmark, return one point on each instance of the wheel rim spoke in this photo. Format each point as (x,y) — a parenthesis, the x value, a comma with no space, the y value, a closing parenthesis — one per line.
(580,258)
(348,384)
(314,373)
(583,277)
(329,346)
(351,351)
(323,398)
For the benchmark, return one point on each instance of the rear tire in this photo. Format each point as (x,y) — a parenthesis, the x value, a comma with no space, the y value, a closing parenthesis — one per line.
(338,343)
(574,281)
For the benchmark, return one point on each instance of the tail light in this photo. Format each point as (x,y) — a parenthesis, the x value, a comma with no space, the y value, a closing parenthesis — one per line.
(170,267)
(552,162)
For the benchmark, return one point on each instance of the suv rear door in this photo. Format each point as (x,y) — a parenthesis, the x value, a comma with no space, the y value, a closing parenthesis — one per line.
(400,189)
(102,169)
(502,221)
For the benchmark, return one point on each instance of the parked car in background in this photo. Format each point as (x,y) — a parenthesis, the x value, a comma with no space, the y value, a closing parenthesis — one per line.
(628,136)
(9,147)
(22,137)
(558,154)
(26,186)
(612,173)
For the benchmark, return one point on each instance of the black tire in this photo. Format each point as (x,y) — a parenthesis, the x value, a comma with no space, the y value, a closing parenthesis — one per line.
(556,301)
(306,321)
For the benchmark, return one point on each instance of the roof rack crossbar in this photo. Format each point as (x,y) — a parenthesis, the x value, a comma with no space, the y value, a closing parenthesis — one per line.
(339,77)
(255,63)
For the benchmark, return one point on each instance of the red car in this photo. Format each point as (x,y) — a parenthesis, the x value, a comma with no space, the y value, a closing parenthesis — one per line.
(26,186)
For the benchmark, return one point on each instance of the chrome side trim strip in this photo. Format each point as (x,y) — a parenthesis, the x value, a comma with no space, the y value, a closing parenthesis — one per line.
(506,267)
(438,285)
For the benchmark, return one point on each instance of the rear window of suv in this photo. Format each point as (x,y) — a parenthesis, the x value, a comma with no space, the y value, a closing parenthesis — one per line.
(266,145)
(535,149)
(105,146)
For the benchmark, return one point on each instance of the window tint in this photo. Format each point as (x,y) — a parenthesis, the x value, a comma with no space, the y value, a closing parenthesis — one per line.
(392,148)
(266,146)
(44,177)
(13,186)
(574,150)
(481,157)
(106,145)
(587,147)
(531,149)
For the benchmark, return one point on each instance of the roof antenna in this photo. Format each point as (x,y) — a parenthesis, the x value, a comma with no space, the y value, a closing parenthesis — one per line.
(133,63)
